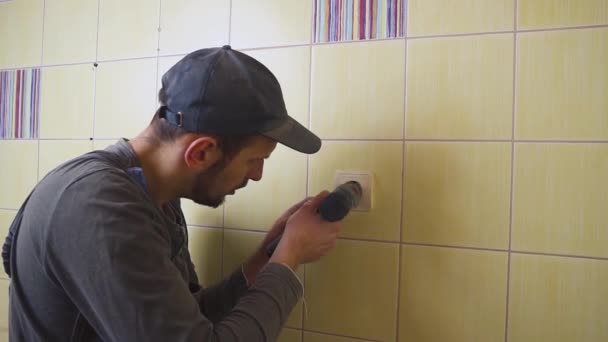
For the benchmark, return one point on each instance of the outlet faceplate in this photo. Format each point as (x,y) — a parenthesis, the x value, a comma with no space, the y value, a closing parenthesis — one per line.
(365,178)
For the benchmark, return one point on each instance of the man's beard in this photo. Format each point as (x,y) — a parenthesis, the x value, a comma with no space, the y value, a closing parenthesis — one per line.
(202,184)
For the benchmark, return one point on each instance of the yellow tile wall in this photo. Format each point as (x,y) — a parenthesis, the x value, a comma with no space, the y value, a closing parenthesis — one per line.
(127,29)
(4,288)
(485,128)
(205,246)
(66,107)
(124,93)
(62,42)
(460,87)
(559,196)
(565,99)
(468,183)
(558,299)
(431,17)
(195,18)
(55,152)
(357,90)
(452,294)
(25,48)
(558,13)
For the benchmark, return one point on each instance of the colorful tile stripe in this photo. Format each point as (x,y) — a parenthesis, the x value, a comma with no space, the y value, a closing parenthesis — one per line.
(339,20)
(19,104)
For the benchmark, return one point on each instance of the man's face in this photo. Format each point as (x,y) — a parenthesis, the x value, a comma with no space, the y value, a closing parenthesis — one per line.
(212,185)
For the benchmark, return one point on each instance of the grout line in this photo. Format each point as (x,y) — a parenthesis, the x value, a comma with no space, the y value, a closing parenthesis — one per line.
(200,227)
(310,80)
(159,28)
(224,205)
(448,35)
(354,41)
(303,310)
(516,141)
(313,21)
(95,65)
(20,68)
(512,180)
(277,47)
(287,327)
(28,139)
(468,140)
(416,139)
(559,255)
(40,80)
(581,27)
(403,161)
(457,140)
(97,33)
(43,66)
(346,238)
(85,62)
(68,64)
(466,34)
(404,132)
(43,28)
(420,244)
(362,139)
(323,43)
(108,138)
(156,85)
(160,55)
(158,31)
(127,59)
(515,16)
(9,209)
(485,249)
(229,22)
(538,141)
(338,335)
(451,35)
(94,109)
(223,227)
(194,225)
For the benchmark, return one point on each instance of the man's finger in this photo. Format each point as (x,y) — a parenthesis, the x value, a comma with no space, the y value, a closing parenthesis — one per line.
(297,206)
(314,202)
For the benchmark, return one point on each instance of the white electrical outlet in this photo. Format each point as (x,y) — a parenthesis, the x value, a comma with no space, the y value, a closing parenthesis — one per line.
(365,178)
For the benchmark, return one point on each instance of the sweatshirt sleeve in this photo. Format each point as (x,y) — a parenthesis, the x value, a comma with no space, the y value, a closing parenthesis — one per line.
(113,259)
(218,301)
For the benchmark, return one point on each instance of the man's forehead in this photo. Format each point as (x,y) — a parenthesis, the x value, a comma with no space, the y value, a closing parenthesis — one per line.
(261,145)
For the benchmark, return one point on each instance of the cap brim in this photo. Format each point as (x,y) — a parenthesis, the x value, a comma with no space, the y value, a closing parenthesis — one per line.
(292,134)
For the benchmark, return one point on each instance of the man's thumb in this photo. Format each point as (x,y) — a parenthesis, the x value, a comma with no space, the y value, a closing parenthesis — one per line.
(314,202)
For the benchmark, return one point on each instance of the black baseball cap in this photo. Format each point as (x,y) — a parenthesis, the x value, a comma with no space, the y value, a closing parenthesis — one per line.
(222,91)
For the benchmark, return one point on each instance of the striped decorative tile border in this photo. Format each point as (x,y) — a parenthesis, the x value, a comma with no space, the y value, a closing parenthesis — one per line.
(19,104)
(340,20)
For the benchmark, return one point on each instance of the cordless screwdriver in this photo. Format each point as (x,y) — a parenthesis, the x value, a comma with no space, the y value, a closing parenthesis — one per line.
(334,207)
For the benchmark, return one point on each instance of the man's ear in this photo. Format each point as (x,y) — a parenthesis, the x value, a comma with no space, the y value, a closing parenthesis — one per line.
(202,153)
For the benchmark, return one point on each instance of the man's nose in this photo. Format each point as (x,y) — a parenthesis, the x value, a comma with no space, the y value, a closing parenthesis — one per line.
(256,172)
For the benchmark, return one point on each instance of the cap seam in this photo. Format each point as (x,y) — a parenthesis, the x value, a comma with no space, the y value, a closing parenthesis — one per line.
(205,88)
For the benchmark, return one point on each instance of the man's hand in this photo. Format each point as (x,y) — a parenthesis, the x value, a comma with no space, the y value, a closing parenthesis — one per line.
(307,237)
(260,258)
(279,226)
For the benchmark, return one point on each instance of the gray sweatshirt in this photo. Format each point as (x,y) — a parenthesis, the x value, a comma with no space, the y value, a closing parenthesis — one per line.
(91,258)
